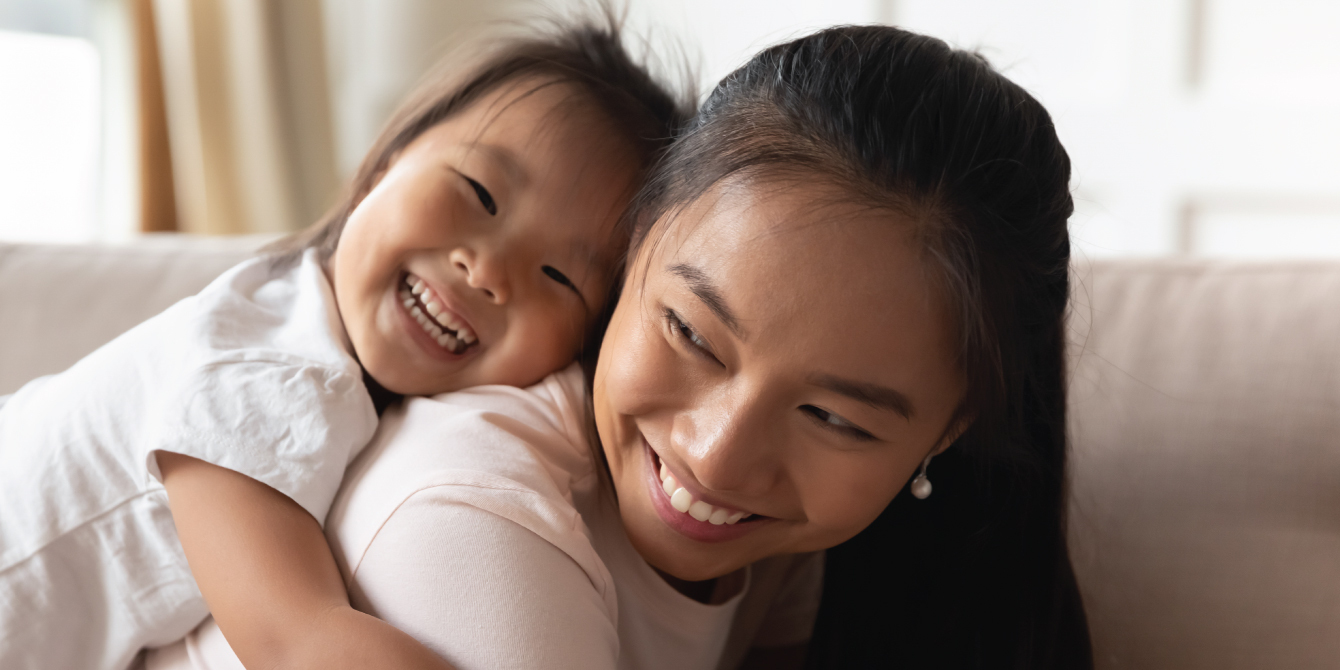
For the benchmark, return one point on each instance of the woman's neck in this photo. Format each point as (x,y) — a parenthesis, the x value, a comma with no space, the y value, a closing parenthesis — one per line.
(708,592)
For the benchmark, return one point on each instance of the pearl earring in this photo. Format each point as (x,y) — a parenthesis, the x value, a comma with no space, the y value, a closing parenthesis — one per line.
(921,486)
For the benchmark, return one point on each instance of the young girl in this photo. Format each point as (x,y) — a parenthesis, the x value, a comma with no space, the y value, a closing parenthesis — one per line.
(477,246)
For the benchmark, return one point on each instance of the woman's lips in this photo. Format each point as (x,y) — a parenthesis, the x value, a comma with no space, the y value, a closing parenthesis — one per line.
(695,522)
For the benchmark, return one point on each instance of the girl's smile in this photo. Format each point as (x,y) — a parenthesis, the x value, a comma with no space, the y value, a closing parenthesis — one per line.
(485,249)
(447,333)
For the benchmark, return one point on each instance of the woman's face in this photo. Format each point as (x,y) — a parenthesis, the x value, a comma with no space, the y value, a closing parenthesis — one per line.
(772,357)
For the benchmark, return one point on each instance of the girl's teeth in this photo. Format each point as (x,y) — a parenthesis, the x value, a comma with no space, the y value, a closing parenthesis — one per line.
(437,321)
(683,501)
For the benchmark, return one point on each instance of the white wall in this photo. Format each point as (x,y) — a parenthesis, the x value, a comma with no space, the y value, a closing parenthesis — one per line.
(1199,127)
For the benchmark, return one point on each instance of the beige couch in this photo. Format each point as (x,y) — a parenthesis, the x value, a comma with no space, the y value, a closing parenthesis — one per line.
(1205,416)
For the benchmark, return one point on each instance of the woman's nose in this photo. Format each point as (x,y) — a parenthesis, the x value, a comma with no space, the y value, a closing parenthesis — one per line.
(724,444)
(483,271)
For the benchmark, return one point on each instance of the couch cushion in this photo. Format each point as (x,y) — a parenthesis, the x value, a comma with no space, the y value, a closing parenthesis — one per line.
(59,302)
(1205,415)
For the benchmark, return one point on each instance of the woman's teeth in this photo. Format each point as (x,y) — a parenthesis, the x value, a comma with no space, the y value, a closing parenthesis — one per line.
(683,501)
(440,324)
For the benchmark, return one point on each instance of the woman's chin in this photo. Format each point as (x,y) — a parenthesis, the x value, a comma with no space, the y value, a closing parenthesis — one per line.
(669,553)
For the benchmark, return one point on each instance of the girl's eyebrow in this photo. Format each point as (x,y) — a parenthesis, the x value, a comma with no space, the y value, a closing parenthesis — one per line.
(702,286)
(504,157)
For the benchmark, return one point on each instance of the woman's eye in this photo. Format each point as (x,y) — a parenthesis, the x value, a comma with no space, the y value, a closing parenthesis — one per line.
(834,422)
(485,198)
(683,330)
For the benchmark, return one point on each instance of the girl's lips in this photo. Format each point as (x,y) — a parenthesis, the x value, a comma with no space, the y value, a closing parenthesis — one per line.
(701,531)
(425,342)
(449,303)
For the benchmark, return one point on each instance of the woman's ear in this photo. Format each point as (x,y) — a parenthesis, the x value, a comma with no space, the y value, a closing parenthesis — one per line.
(957,426)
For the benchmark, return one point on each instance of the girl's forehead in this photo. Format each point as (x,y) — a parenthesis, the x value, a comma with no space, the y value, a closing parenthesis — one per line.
(539,107)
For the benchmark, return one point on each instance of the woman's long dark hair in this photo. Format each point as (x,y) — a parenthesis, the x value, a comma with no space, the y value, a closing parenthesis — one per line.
(977,575)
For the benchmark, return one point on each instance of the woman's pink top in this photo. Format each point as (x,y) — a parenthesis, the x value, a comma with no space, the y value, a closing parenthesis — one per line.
(475,522)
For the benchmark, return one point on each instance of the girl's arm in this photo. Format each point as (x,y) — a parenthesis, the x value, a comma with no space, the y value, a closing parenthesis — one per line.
(270,579)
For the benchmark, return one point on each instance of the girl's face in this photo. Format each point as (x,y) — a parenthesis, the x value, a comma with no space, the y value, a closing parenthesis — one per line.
(774,358)
(484,251)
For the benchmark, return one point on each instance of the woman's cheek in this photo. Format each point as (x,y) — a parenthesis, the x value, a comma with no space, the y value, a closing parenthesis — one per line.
(841,498)
(642,373)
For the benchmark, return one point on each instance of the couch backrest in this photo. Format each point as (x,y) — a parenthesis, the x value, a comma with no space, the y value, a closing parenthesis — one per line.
(1205,416)
(60,302)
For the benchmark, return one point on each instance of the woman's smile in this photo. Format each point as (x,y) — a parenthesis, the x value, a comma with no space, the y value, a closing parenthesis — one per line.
(689,514)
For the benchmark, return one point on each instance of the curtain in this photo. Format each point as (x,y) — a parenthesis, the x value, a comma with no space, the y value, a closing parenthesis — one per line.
(248,120)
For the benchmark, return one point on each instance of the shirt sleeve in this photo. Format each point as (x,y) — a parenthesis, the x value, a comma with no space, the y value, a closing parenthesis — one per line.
(482,590)
(791,618)
(292,426)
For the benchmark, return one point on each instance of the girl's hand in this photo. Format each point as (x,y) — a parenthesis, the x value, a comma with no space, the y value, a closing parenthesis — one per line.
(270,579)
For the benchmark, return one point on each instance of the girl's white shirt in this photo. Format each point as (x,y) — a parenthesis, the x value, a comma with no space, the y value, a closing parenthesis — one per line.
(254,374)
(475,523)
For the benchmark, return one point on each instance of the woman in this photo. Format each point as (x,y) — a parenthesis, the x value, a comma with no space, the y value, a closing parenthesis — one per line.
(854,266)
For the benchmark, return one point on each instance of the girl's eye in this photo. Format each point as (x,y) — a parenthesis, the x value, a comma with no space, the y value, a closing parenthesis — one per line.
(683,330)
(833,422)
(485,198)
(559,277)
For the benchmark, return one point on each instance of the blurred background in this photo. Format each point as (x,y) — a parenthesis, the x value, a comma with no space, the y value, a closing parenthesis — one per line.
(1196,127)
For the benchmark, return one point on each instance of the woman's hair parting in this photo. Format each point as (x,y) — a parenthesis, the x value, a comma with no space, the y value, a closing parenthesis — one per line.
(977,575)
(588,54)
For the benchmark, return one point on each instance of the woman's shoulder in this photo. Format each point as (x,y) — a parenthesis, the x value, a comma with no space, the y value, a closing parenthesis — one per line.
(515,453)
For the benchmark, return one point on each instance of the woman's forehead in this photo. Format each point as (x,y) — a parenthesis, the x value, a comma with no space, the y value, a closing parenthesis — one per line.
(792,230)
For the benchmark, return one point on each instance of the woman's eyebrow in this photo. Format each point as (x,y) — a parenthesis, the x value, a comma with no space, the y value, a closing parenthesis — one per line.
(880,397)
(707,292)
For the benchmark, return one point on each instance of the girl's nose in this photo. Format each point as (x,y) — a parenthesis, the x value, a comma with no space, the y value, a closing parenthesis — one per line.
(483,271)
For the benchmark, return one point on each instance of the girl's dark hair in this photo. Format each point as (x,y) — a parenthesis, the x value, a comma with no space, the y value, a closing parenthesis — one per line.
(978,575)
(587,54)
